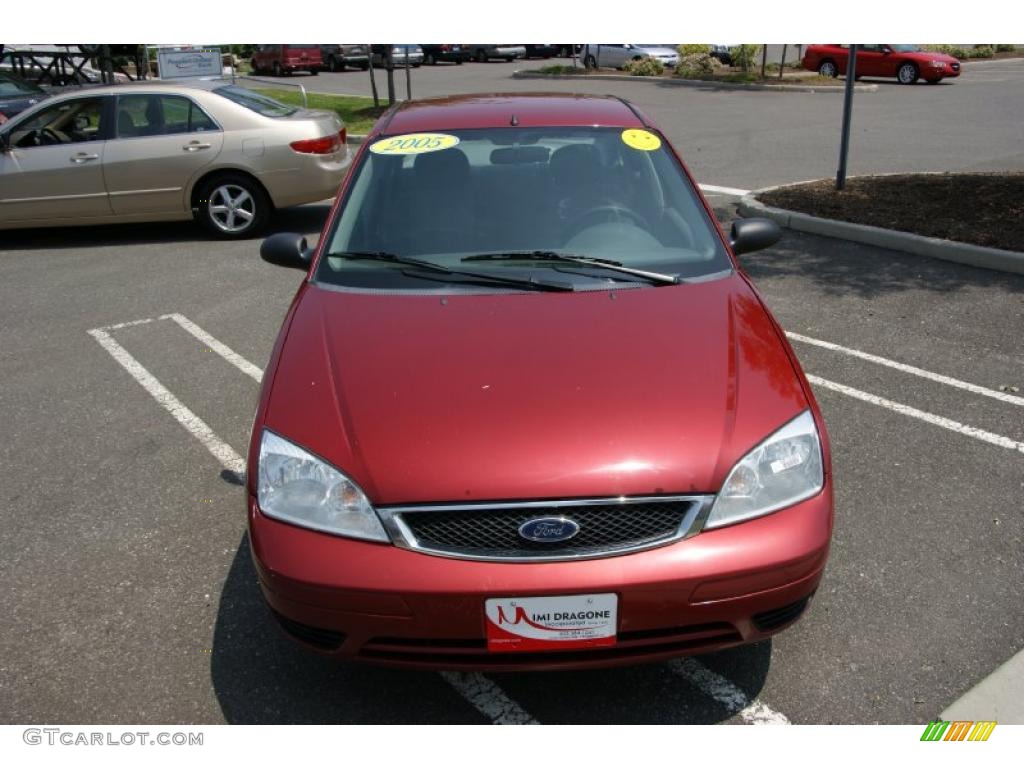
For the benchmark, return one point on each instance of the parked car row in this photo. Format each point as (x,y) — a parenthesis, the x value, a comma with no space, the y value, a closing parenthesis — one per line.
(288,58)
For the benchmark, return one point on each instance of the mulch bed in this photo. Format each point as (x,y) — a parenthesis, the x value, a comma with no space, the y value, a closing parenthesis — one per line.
(979,208)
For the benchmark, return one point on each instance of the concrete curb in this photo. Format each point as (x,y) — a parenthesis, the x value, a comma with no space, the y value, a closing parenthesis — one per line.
(997,697)
(919,245)
(706,84)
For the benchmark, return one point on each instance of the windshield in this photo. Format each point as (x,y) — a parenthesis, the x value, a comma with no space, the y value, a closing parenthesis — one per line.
(601,193)
(11,87)
(257,102)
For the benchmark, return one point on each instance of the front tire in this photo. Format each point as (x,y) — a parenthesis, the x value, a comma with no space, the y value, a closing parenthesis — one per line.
(907,74)
(828,68)
(232,206)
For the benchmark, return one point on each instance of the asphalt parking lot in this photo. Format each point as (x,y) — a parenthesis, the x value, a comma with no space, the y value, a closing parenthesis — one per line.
(130,596)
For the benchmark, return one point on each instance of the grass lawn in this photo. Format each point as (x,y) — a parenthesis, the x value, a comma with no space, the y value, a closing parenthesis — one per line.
(358,112)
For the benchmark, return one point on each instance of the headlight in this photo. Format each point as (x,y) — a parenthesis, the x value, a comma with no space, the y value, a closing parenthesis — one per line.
(782,470)
(938,64)
(299,488)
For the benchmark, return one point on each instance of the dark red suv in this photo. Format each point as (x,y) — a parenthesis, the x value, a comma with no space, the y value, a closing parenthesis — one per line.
(286,59)
(526,410)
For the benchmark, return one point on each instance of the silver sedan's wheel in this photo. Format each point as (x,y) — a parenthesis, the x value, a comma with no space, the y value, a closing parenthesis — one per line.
(828,69)
(907,74)
(232,206)
(232,209)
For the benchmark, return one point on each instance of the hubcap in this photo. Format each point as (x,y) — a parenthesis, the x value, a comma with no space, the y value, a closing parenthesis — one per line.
(828,70)
(232,209)
(906,73)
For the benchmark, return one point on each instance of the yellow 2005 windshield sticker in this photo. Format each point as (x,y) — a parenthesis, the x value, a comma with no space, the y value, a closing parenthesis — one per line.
(414,144)
(637,138)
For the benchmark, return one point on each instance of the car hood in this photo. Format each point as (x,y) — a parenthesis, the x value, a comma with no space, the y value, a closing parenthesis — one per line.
(932,56)
(473,397)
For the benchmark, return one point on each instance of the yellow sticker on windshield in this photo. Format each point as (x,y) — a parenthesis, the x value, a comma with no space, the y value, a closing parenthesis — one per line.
(414,144)
(638,138)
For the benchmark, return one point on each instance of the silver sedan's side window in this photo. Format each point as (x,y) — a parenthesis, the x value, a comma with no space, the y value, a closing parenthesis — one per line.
(69,122)
(160,115)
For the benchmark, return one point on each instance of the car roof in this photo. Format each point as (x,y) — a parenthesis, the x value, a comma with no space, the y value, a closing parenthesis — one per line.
(500,110)
(150,85)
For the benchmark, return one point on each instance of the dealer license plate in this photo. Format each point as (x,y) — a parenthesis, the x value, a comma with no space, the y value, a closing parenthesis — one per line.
(551,623)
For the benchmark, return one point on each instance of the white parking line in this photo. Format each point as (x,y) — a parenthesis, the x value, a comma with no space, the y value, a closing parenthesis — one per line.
(937,377)
(488,698)
(724,190)
(223,452)
(931,418)
(755,712)
(219,347)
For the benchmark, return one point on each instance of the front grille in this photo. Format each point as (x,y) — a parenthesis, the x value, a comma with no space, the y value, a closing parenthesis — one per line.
(606,526)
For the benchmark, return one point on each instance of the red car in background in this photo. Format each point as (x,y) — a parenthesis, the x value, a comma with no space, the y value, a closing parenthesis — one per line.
(907,63)
(286,59)
(526,410)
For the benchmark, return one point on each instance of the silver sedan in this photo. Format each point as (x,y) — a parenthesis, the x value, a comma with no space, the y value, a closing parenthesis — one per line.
(156,151)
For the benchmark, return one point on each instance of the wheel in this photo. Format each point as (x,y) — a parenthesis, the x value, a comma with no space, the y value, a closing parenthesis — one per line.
(934,80)
(276,69)
(481,55)
(335,64)
(232,206)
(590,62)
(828,68)
(510,59)
(430,60)
(459,61)
(314,71)
(907,74)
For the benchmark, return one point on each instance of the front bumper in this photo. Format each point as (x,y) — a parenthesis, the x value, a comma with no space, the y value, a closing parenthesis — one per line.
(382,604)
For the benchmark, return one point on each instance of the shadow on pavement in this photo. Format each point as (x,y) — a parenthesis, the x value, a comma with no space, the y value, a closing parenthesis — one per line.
(260,676)
(842,268)
(306,220)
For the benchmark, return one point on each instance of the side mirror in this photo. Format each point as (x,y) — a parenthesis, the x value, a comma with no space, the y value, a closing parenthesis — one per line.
(286,249)
(753,234)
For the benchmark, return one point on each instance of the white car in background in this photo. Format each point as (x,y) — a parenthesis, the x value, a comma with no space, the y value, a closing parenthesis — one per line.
(617,56)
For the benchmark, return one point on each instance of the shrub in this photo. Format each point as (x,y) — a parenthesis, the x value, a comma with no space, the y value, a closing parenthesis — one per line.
(646,67)
(957,51)
(744,56)
(697,66)
(561,69)
(689,49)
(1005,47)
(982,52)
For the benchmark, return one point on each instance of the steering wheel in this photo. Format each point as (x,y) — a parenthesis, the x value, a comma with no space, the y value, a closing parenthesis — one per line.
(606,212)
(41,137)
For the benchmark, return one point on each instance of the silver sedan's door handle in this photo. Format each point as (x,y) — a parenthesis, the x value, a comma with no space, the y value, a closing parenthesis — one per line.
(195,146)
(82,157)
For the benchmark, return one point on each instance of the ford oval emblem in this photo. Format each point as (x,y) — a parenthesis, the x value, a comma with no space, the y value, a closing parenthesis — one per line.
(549,530)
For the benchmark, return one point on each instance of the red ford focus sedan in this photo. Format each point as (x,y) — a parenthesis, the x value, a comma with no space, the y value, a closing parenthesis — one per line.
(526,411)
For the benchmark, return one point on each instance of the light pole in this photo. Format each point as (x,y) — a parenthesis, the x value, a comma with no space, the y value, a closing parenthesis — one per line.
(844,144)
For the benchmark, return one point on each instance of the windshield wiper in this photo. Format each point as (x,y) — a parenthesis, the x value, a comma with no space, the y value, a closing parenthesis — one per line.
(523,282)
(591,261)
